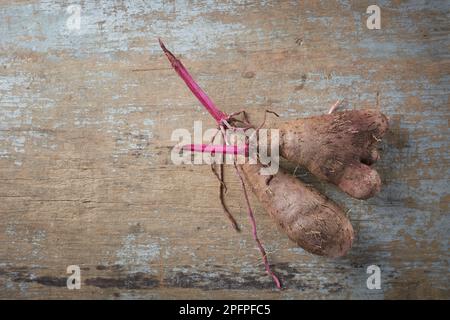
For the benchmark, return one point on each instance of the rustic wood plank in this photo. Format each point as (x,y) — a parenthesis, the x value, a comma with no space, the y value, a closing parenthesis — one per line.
(86,118)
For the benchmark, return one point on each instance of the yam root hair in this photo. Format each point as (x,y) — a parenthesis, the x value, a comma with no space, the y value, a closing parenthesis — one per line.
(339,147)
(311,220)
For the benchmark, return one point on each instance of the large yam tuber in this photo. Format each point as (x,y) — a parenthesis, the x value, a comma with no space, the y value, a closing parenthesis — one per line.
(311,220)
(338,147)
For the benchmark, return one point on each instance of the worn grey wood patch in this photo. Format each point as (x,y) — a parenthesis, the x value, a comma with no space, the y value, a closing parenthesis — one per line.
(86,117)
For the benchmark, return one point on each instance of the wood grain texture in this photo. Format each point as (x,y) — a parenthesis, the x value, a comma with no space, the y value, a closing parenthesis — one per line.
(86,118)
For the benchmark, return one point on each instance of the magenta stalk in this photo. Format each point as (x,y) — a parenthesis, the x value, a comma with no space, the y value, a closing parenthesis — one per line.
(218,115)
(223,149)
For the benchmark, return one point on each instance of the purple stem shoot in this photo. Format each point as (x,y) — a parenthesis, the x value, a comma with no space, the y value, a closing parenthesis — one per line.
(223,149)
(193,86)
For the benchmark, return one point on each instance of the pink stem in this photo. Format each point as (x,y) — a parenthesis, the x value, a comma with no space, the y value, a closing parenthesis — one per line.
(193,86)
(224,149)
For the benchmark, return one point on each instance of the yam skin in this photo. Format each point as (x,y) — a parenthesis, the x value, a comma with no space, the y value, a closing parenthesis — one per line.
(311,220)
(338,147)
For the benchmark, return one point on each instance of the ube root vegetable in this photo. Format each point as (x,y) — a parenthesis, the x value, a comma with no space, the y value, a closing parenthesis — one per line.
(338,147)
(309,219)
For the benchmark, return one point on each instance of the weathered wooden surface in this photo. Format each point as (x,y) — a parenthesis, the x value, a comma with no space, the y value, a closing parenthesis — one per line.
(86,118)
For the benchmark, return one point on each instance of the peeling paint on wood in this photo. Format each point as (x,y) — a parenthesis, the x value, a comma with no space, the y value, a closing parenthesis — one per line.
(86,118)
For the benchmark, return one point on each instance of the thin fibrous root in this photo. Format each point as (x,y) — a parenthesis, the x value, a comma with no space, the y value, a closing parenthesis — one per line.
(223,188)
(254,231)
(222,201)
(264,121)
(214,171)
(334,106)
